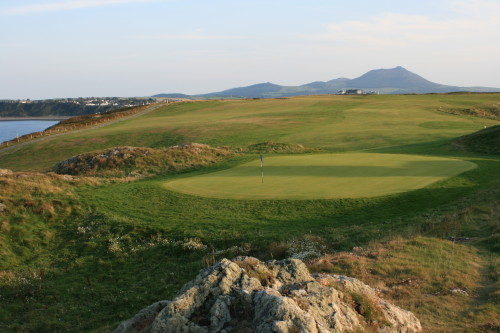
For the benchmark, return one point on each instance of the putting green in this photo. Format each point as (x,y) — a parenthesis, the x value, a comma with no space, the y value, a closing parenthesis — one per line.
(322,176)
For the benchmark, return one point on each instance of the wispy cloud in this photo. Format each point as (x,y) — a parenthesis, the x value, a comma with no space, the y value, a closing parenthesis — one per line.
(468,22)
(63,6)
(390,29)
(478,8)
(194,36)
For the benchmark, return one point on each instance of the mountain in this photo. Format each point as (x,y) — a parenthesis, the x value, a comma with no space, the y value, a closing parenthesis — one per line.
(256,90)
(396,80)
(172,95)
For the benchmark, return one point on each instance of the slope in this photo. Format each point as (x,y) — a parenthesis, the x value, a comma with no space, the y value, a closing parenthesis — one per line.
(333,123)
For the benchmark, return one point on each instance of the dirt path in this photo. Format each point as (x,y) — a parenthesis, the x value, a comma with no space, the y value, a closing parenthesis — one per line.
(16,147)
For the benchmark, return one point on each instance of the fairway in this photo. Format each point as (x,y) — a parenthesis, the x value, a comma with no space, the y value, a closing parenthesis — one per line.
(330,122)
(322,176)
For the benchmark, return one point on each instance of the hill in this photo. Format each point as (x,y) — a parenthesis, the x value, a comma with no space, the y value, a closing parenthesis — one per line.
(486,141)
(396,80)
(68,106)
(49,108)
(399,79)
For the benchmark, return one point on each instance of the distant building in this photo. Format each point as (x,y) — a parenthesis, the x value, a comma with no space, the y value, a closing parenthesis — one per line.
(350,92)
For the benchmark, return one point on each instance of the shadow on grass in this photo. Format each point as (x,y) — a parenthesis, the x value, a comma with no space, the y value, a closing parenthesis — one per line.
(347,222)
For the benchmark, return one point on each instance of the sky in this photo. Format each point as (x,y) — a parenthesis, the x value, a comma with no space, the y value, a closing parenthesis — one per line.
(83,48)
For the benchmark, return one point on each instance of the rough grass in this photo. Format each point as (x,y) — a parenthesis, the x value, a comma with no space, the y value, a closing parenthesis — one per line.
(420,274)
(485,110)
(276,147)
(448,251)
(34,203)
(137,161)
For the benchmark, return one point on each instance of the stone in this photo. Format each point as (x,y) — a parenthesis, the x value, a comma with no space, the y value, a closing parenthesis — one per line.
(460,292)
(248,295)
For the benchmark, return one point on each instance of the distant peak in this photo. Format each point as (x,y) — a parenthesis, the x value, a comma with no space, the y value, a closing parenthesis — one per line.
(395,69)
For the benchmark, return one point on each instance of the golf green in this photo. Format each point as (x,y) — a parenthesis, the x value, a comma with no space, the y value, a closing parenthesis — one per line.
(322,176)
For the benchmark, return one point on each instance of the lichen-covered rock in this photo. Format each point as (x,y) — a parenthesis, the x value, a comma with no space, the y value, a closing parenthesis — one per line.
(247,295)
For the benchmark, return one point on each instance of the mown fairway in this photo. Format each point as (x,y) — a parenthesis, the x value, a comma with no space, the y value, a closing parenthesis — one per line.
(322,176)
(333,123)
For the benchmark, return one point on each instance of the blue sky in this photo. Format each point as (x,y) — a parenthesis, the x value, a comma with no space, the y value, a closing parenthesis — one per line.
(59,48)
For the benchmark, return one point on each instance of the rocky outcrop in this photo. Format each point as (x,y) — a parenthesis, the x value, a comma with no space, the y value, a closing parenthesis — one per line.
(247,295)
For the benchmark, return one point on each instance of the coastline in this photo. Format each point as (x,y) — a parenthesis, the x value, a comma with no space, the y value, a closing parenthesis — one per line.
(54,118)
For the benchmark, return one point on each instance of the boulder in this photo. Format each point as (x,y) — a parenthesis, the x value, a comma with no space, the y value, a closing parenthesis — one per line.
(247,295)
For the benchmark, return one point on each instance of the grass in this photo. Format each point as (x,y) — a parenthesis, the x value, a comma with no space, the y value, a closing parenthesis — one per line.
(140,162)
(334,123)
(485,141)
(74,248)
(77,123)
(322,176)
(420,273)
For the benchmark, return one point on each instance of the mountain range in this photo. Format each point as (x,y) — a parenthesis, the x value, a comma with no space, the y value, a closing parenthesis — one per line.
(396,80)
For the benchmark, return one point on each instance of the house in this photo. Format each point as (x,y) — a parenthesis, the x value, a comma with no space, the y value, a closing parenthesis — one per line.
(354,92)
(350,92)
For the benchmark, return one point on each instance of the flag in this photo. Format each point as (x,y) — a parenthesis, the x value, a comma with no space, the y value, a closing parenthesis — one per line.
(261,158)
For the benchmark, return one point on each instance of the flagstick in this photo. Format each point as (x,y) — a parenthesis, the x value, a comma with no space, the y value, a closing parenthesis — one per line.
(262,168)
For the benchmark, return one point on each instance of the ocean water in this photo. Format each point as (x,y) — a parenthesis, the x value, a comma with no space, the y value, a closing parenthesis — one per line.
(13,128)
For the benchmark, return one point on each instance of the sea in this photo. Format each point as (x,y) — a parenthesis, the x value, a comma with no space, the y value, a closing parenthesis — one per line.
(10,129)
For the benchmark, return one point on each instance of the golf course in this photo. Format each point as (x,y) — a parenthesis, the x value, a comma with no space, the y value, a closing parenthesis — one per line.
(322,176)
(400,191)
